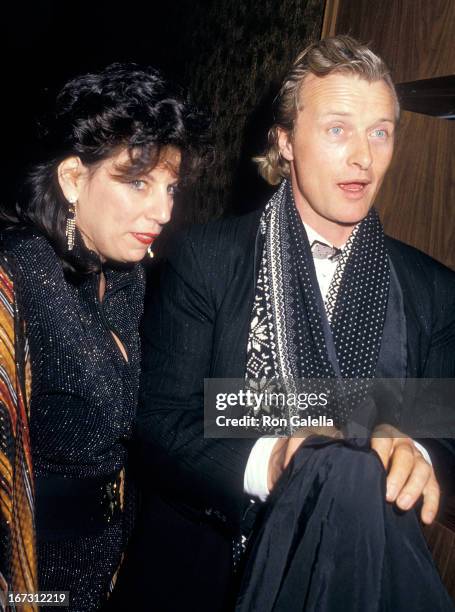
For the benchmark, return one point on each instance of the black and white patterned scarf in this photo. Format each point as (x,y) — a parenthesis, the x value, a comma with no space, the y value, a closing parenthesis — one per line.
(288,330)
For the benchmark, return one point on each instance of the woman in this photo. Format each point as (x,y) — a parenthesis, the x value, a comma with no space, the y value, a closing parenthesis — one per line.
(116,147)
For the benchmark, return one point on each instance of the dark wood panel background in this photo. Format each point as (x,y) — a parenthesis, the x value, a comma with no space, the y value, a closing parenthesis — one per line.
(234,53)
(417,40)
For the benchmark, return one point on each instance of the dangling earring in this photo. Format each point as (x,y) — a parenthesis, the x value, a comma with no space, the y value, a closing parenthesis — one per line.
(71,224)
(151,254)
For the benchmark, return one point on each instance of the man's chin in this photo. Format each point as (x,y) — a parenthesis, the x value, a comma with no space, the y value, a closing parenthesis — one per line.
(352,222)
(352,217)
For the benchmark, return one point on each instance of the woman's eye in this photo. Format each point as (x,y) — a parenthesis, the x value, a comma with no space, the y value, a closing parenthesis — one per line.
(138,184)
(336,130)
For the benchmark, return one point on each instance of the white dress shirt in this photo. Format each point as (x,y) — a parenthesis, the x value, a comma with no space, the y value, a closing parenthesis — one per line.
(255,478)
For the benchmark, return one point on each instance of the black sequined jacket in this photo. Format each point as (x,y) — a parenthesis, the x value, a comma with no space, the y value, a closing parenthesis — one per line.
(83,402)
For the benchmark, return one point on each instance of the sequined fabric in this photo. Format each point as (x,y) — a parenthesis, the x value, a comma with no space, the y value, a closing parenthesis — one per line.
(83,397)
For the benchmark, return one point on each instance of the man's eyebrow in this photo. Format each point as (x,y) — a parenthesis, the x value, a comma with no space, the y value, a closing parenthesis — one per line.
(347,114)
(337,114)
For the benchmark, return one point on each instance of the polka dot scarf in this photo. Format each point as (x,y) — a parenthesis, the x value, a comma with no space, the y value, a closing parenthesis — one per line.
(287,340)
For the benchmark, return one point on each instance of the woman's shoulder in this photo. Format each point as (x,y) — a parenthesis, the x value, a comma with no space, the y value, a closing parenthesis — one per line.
(28,252)
(17,240)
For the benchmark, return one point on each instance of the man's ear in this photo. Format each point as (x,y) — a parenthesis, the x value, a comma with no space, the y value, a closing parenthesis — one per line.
(285,144)
(71,172)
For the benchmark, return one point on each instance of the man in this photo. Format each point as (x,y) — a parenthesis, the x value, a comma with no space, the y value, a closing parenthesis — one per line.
(333,297)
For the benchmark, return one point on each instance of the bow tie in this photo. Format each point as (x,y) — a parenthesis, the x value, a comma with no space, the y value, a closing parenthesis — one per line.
(321,250)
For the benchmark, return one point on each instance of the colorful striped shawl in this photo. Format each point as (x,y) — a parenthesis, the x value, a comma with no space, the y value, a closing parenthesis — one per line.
(18,571)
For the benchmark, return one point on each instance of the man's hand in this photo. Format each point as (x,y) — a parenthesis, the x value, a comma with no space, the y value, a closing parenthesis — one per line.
(285,449)
(409,475)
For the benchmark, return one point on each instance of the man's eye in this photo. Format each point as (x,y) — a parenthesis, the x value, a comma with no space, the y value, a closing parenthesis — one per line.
(380,133)
(172,190)
(138,184)
(336,130)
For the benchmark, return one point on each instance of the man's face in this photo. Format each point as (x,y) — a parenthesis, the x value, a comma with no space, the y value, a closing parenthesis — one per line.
(339,150)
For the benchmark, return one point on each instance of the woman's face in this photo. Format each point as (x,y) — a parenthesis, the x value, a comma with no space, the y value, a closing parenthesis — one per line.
(120,220)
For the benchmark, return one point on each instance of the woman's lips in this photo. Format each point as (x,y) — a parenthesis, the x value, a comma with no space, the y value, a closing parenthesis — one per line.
(354,190)
(145,238)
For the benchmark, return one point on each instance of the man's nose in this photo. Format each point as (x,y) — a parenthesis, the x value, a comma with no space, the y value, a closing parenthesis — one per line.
(360,153)
(160,206)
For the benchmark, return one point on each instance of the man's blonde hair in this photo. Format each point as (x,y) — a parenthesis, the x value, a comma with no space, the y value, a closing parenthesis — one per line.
(338,54)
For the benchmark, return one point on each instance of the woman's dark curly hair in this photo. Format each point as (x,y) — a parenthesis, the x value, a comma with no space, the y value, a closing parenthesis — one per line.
(95,116)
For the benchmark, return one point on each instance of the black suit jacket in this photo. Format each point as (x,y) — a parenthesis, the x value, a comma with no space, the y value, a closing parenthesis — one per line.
(196,326)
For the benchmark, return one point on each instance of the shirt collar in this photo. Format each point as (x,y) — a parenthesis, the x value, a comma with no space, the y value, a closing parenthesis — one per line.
(313,235)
